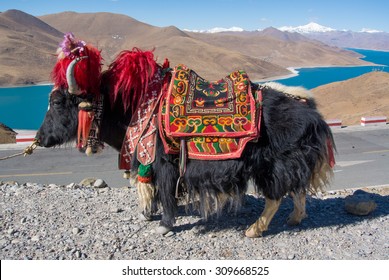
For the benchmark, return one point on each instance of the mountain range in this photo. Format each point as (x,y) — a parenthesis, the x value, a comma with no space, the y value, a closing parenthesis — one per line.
(364,39)
(28,45)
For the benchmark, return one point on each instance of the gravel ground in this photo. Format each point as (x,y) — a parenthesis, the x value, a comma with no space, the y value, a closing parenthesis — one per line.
(84,222)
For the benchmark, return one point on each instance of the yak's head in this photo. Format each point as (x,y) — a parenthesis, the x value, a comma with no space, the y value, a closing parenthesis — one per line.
(76,77)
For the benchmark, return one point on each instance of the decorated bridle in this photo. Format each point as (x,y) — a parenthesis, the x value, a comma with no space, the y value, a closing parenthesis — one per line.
(78,70)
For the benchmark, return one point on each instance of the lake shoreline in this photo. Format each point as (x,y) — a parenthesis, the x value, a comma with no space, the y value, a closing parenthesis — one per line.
(295,70)
(24,86)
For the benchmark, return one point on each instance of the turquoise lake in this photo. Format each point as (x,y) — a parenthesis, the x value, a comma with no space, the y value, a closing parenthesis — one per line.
(25,107)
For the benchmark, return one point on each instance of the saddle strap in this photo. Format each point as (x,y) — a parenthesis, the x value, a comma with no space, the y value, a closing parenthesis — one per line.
(182,163)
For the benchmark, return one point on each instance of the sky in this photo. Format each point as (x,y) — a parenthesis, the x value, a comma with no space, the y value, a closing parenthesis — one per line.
(207,14)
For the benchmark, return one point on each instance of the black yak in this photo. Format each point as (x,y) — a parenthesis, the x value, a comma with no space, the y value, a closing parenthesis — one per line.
(291,153)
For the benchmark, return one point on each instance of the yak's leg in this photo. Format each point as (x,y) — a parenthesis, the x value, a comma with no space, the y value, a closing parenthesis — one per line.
(146,194)
(169,205)
(261,225)
(298,213)
(166,186)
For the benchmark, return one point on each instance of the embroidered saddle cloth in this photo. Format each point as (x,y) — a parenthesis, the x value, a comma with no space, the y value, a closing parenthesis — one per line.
(217,119)
(142,131)
(197,107)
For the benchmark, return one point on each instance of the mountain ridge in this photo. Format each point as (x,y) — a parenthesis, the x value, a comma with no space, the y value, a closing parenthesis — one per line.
(28,42)
(364,39)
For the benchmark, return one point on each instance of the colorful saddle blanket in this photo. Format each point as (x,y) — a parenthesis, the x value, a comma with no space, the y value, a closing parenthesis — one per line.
(217,119)
(197,107)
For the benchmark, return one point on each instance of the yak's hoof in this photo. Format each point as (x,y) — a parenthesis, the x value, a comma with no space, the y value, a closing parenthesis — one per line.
(163,230)
(294,221)
(253,232)
(144,217)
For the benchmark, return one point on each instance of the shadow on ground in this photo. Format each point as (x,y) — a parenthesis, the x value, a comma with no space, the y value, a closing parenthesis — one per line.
(321,213)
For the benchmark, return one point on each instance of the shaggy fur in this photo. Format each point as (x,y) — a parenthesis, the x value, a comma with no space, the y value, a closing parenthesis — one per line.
(291,156)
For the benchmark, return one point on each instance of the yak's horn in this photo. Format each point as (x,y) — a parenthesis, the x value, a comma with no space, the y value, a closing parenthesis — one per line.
(73,87)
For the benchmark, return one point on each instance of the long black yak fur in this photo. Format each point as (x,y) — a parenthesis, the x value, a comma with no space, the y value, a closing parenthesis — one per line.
(290,156)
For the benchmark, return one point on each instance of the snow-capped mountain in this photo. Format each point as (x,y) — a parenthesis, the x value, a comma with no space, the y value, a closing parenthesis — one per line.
(311,27)
(368,30)
(365,39)
(217,29)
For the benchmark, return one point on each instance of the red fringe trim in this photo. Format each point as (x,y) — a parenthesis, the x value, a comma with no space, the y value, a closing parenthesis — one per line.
(144,179)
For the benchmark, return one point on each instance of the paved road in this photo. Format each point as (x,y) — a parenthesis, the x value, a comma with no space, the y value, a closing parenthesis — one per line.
(362,160)
(363,157)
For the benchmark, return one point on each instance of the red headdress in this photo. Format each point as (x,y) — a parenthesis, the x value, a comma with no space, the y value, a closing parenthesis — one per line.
(130,74)
(78,69)
(86,72)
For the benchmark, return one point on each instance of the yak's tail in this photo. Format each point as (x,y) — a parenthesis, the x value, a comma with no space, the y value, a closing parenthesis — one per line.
(323,170)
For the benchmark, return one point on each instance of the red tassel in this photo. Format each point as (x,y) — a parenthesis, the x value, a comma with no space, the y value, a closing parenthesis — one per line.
(166,64)
(84,125)
(130,75)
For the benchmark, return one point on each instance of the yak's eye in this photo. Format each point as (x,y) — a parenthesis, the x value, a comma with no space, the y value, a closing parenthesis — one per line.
(56,102)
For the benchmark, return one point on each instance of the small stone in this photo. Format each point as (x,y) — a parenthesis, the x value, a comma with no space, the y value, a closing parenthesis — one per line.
(71,186)
(35,238)
(78,254)
(360,205)
(76,230)
(169,234)
(87,182)
(3,242)
(116,210)
(23,220)
(99,183)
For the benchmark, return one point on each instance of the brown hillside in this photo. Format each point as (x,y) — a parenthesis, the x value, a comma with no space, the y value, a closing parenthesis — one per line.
(282,48)
(27,48)
(28,45)
(113,33)
(366,95)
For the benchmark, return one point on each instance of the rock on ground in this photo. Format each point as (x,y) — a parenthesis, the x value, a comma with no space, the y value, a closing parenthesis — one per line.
(85,222)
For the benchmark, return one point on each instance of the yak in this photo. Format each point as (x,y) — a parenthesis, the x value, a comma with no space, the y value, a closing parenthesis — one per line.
(292,153)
